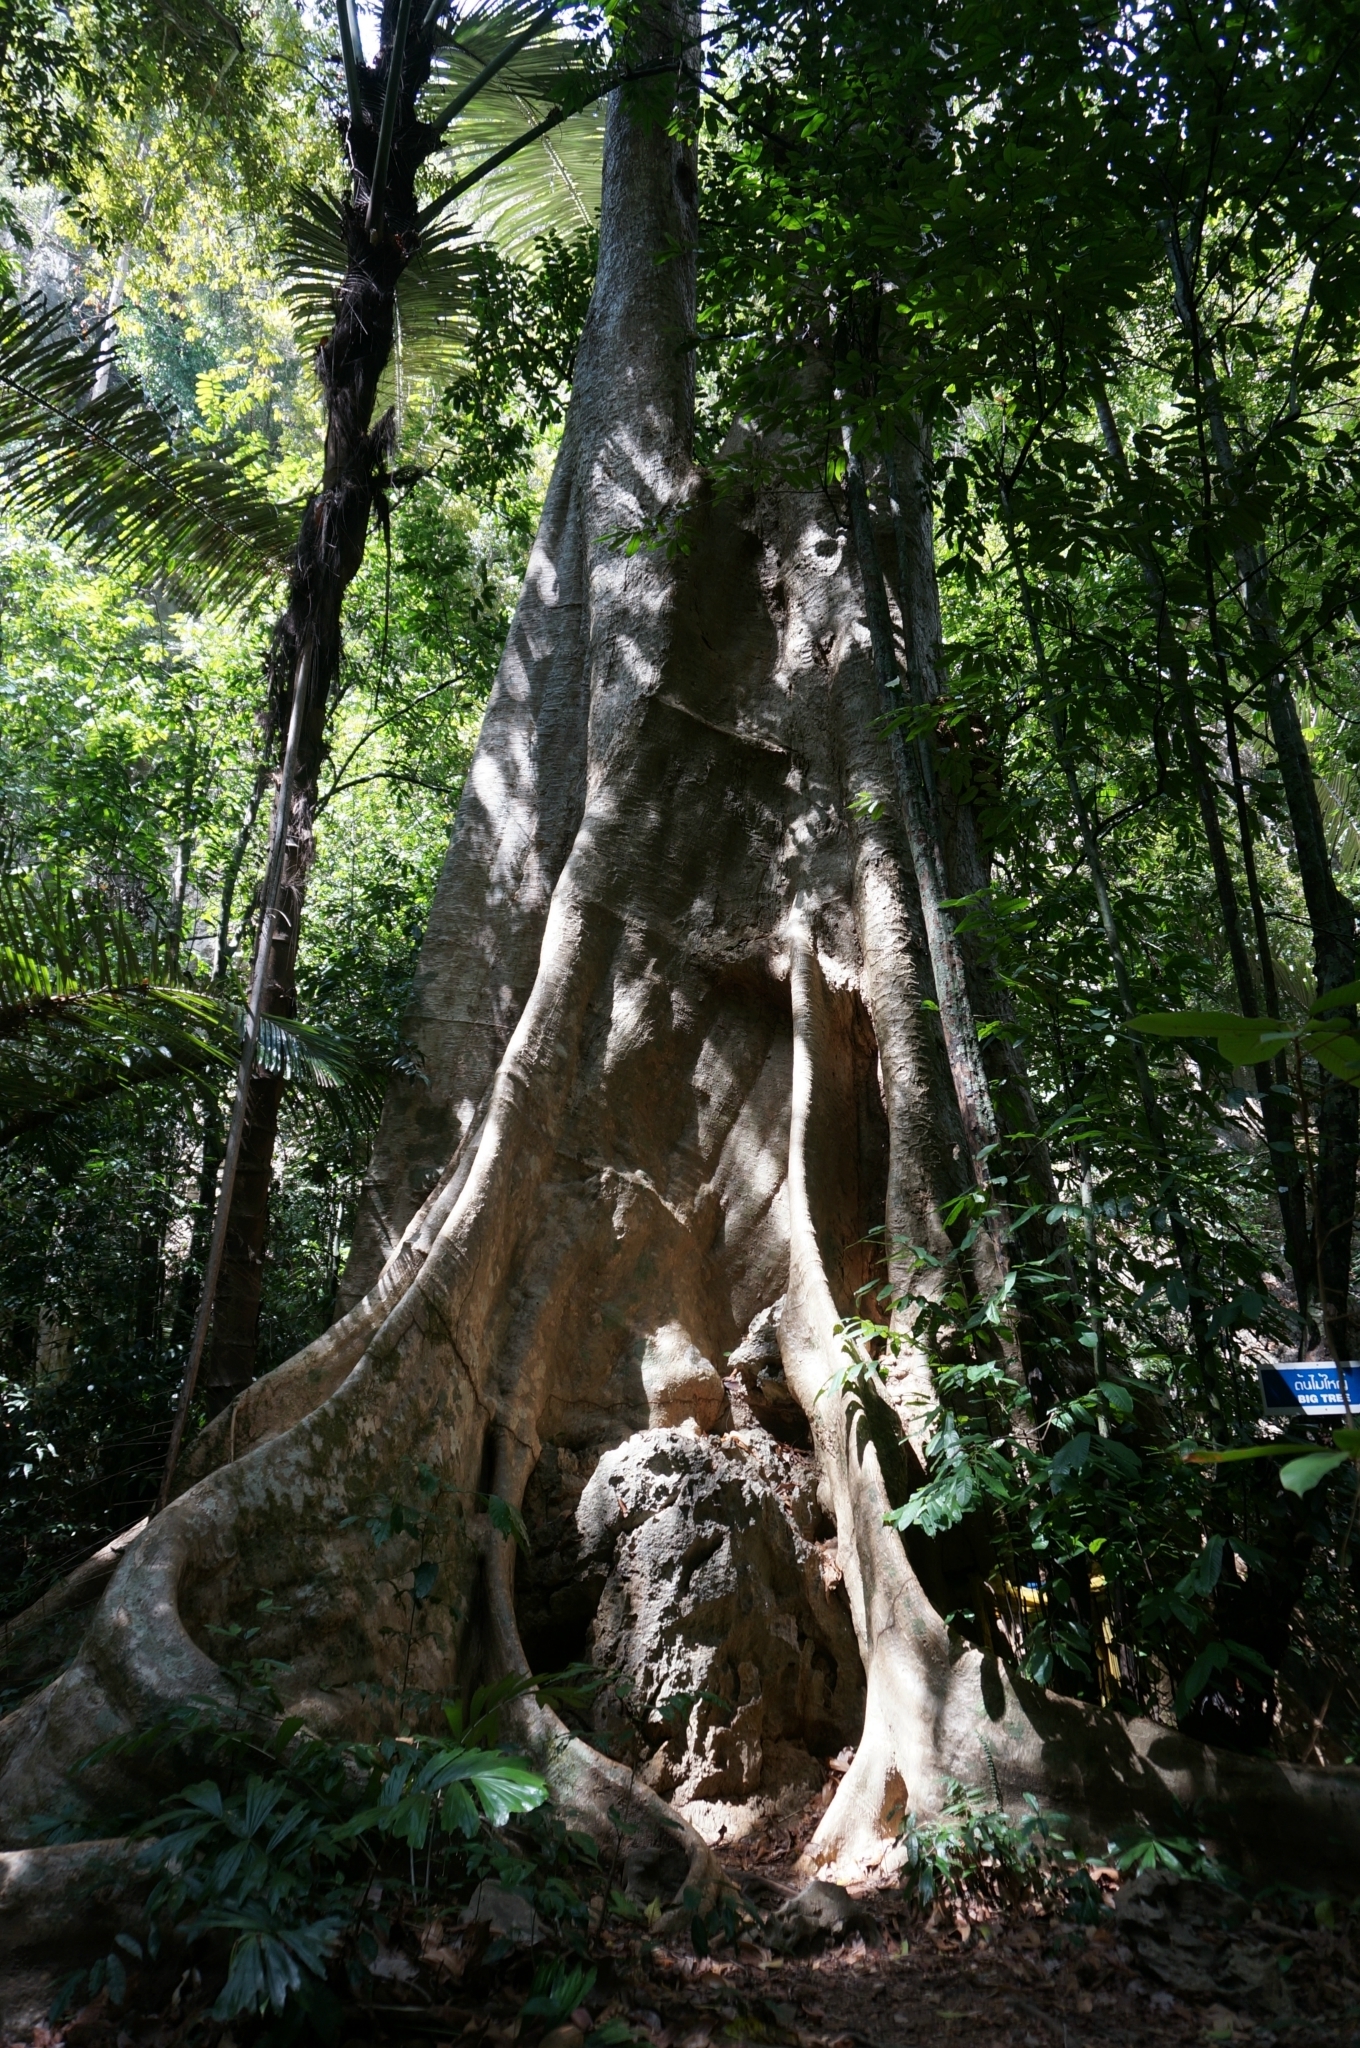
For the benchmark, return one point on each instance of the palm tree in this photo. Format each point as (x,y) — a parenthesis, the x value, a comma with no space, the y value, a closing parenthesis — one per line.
(483,94)
(496,100)
(93,1004)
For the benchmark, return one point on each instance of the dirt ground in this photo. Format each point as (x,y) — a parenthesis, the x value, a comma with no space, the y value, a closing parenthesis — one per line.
(1170,1962)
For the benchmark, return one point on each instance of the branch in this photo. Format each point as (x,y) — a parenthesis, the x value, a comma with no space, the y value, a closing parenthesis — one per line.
(380,775)
(391,719)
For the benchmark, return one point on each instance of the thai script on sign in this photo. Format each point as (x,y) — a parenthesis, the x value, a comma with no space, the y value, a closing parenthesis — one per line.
(1308,1387)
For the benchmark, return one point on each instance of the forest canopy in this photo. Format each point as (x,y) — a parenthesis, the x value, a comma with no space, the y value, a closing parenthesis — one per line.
(1045,322)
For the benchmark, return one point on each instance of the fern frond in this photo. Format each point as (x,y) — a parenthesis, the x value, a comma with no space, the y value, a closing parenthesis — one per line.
(105,472)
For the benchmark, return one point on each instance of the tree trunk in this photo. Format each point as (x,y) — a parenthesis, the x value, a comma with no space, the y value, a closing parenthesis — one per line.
(306,647)
(670,1003)
(230,1363)
(1046,1332)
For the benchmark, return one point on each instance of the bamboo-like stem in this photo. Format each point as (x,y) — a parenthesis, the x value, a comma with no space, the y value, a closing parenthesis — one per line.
(396,66)
(1181,1236)
(1276,1118)
(350,52)
(1330,915)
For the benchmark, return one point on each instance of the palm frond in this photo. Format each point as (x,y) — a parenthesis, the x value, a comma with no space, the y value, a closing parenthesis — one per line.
(435,301)
(555,69)
(106,473)
(56,942)
(311,258)
(324,1063)
(434,296)
(89,1009)
(552,187)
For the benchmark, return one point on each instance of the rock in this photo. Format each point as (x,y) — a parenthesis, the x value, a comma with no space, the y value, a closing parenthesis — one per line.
(681,1385)
(773,1403)
(1182,1972)
(510,1917)
(716,1611)
(821,1912)
(789,1779)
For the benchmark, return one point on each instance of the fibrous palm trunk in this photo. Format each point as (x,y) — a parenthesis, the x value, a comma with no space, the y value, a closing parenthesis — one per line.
(671,1007)
(305,653)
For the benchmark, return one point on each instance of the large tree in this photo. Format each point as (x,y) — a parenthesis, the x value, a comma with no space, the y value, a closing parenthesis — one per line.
(675,1009)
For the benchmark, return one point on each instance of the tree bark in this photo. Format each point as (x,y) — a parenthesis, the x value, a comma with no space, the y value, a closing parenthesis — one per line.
(671,1005)
(350,364)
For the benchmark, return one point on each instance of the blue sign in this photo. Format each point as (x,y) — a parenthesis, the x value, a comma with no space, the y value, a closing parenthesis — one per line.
(1309,1387)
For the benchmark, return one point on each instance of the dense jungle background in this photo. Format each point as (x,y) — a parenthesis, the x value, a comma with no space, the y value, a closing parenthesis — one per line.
(1112,258)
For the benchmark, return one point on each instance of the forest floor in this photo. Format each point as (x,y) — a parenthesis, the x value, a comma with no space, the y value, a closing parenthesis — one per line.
(1168,1962)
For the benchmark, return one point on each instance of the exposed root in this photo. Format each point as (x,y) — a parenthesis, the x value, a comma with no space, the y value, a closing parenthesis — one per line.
(20,1653)
(67,1903)
(294,1389)
(939,1710)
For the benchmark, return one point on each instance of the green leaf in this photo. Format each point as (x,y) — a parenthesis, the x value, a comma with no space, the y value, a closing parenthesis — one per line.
(1335,999)
(1125,1461)
(1072,1455)
(1340,1055)
(1303,1474)
(287,1730)
(1250,1048)
(507,1521)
